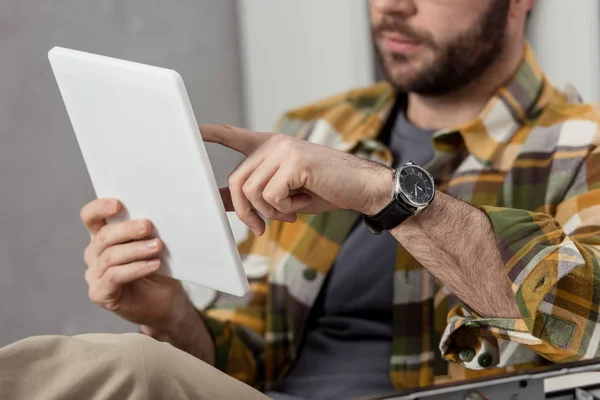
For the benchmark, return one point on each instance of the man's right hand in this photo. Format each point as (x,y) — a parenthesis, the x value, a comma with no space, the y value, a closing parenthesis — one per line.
(122,261)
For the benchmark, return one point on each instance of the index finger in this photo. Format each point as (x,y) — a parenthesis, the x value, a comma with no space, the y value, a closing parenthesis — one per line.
(241,140)
(94,213)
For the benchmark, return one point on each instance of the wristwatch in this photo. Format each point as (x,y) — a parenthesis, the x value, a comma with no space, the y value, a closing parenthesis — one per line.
(414,190)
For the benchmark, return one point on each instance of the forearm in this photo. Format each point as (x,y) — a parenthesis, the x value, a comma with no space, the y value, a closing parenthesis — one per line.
(455,243)
(189,334)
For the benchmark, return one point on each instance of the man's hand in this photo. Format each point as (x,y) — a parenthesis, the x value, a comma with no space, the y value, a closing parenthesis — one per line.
(283,176)
(122,261)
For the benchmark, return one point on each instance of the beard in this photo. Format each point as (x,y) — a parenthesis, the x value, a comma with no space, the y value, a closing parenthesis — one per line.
(457,62)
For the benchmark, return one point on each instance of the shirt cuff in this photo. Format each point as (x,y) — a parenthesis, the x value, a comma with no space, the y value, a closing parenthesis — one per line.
(473,341)
(466,341)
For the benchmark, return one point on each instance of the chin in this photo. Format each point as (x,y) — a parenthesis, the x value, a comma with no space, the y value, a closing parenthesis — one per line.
(401,76)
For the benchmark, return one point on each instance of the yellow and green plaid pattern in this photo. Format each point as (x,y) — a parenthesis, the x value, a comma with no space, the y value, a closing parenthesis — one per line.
(530,161)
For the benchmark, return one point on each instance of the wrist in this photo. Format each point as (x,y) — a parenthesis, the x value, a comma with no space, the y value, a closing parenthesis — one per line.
(187,332)
(433,213)
(380,191)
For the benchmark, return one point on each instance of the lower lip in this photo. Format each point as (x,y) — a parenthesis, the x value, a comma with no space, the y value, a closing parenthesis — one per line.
(400,46)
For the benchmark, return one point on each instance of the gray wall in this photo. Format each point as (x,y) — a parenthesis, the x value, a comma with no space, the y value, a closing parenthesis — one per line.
(43,181)
(295,52)
(568,51)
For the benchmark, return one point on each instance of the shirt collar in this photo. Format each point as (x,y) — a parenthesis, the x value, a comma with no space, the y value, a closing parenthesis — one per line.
(523,95)
(521,100)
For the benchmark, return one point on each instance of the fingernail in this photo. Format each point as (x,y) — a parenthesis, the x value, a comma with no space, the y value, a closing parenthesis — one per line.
(153,244)
(140,226)
(153,263)
(111,206)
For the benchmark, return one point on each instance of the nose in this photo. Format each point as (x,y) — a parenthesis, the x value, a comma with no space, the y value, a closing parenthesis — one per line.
(404,7)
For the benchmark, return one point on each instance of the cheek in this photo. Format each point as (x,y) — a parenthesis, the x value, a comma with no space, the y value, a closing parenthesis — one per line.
(374,15)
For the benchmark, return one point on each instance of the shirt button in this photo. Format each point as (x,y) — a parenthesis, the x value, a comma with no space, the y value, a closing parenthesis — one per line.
(466,355)
(485,360)
(472,324)
(309,274)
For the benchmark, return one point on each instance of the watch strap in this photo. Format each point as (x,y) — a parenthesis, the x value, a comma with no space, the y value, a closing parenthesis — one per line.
(390,217)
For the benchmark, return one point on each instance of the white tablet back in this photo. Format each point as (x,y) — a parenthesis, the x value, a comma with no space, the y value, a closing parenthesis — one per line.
(140,142)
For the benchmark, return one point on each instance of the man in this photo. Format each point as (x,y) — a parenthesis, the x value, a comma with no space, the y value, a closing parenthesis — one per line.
(512,231)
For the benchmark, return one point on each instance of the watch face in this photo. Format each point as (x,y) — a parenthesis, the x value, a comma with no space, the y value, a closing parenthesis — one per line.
(416,185)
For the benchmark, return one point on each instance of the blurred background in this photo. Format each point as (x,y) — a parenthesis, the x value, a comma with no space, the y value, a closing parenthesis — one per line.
(244,63)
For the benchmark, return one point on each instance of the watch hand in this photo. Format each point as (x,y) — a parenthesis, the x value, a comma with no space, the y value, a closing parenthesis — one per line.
(416,194)
(419,187)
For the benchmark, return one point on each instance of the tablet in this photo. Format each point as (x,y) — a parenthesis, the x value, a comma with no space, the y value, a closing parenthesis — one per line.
(140,142)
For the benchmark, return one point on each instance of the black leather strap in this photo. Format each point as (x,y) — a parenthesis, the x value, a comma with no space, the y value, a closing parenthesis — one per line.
(390,217)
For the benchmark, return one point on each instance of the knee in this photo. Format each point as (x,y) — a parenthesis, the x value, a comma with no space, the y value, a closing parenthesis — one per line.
(138,341)
(155,358)
(126,345)
(131,353)
(157,369)
(139,351)
(138,359)
(81,364)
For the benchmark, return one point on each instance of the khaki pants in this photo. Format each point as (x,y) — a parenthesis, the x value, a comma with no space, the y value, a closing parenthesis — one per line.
(103,367)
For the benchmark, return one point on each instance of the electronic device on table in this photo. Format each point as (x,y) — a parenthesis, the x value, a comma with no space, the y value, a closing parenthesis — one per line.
(579,381)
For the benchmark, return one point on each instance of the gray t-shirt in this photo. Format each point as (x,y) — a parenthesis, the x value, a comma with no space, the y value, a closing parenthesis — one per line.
(347,348)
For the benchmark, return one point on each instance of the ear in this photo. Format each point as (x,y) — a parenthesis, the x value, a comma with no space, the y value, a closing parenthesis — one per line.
(521,7)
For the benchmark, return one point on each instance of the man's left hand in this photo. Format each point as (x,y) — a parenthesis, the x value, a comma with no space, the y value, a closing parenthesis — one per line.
(282,176)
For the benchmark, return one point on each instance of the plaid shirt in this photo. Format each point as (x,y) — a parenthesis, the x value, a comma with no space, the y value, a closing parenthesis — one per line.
(531,161)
